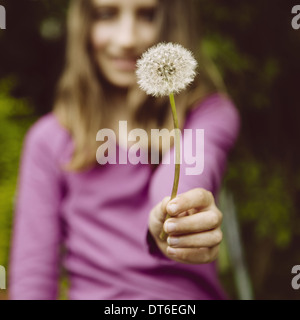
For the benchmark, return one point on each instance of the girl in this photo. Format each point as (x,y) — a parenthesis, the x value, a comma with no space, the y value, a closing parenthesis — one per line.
(108,217)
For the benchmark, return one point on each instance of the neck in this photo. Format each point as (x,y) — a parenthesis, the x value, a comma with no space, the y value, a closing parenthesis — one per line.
(116,97)
(126,99)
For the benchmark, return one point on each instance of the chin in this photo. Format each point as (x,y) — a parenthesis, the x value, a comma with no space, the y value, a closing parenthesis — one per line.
(123,82)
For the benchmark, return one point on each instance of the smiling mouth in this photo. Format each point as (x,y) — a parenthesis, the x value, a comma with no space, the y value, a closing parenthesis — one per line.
(125,64)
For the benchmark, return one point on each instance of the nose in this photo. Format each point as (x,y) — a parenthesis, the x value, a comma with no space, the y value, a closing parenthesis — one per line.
(126,36)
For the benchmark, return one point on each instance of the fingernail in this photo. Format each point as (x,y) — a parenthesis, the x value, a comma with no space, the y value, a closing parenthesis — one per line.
(170,227)
(171,251)
(172,241)
(172,207)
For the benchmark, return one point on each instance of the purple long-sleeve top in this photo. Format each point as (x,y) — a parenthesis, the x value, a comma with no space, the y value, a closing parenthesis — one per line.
(100,217)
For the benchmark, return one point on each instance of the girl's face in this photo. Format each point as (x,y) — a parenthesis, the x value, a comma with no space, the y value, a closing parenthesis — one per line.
(121,31)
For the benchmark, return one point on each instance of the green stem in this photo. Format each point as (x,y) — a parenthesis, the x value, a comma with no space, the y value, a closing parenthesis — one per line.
(163,236)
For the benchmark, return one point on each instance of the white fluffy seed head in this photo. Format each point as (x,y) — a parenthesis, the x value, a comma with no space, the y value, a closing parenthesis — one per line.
(165,68)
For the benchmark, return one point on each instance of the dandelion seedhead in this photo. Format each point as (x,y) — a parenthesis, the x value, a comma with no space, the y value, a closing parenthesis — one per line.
(165,68)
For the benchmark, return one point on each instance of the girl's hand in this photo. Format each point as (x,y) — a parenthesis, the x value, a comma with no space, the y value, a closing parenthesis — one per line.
(194,228)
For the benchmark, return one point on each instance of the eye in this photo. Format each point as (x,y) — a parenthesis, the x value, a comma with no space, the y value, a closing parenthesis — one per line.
(147,14)
(105,13)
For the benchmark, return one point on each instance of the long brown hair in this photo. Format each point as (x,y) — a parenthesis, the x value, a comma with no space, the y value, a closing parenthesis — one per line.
(80,104)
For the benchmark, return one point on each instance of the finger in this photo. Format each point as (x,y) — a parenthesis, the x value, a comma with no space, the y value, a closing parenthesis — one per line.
(157,217)
(187,213)
(159,211)
(203,239)
(196,198)
(193,255)
(199,222)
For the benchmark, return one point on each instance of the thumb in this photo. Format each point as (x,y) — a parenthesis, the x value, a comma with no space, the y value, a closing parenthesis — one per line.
(157,216)
(162,212)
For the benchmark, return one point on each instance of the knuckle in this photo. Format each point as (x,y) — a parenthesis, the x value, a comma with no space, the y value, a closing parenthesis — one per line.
(215,219)
(215,254)
(164,202)
(183,255)
(220,215)
(153,212)
(200,192)
(205,255)
(218,236)
(166,199)
(180,225)
(205,195)
(210,196)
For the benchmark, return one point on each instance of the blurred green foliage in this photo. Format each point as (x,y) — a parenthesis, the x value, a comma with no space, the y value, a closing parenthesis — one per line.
(16,116)
(257,53)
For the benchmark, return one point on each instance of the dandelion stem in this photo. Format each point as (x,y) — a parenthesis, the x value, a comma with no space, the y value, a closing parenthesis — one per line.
(177,147)
(163,236)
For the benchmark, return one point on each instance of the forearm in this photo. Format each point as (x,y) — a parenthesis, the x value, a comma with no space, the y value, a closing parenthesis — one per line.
(36,237)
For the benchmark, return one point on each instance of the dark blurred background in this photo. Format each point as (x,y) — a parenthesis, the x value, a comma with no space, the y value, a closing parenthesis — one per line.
(257,51)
